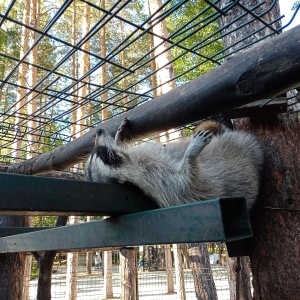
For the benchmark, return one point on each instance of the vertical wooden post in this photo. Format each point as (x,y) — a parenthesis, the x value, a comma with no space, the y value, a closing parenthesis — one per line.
(180,286)
(107,268)
(128,272)
(169,270)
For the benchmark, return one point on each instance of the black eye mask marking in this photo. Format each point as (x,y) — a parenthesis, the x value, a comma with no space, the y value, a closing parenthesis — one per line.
(107,155)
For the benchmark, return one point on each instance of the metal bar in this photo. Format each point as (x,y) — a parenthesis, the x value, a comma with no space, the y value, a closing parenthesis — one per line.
(30,195)
(211,220)
(45,30)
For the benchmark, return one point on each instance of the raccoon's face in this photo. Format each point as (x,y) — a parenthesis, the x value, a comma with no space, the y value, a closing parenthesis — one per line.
(105,159)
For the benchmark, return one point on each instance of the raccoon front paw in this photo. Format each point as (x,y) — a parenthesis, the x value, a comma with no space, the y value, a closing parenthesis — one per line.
(198,142)
(203,136)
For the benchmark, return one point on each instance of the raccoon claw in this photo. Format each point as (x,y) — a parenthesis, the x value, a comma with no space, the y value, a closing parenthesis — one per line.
(206,135)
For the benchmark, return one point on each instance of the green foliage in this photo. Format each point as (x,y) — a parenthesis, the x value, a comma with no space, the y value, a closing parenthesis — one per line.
(44,221)
(125,45)
(200,35)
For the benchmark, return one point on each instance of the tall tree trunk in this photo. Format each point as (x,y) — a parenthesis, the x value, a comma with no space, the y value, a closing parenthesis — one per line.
(128,272)
(34,18)
(241,278)
(275,253)
(103,77)
(45,263)
(83,69)
(32,80)
(74,71)
(72,269)
(11,266)
(185,256)
(239,286)
(21,83)
(231,39)
(89,255)
(123,63)
(163,58)
(179,272)
(205,288)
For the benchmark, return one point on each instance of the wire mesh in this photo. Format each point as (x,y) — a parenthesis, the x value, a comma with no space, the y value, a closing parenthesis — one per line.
(85,62)
(152,282)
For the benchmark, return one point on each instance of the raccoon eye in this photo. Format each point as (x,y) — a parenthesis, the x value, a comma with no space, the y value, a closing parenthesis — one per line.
(108,156)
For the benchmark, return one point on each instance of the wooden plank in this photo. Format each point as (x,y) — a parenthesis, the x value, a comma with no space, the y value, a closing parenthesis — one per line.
(211,220)
(32,195)
(269,68)
(276,106)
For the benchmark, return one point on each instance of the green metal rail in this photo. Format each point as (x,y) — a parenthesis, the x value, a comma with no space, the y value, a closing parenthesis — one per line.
(31,195)
(135,219)
(212,220)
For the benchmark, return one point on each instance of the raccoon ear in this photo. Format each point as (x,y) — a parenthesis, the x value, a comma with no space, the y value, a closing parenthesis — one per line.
(108,156)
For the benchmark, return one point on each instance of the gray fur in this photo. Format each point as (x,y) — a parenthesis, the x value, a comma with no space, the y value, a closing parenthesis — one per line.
(206,166)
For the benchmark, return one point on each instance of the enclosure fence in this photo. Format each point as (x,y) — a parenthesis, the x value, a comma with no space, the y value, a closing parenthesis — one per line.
(151,277)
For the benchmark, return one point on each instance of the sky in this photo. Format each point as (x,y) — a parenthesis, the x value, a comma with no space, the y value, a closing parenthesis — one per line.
(286,9)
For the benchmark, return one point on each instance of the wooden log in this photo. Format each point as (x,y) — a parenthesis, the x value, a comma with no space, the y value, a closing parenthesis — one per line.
(267,69)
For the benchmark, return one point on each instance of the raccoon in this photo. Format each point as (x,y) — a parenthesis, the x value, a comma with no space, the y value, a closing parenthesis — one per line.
(211,164)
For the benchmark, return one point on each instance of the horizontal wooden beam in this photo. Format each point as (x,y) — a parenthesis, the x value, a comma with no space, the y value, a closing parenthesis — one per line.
(269,68)
(211,220)
(35,195)
(276,106)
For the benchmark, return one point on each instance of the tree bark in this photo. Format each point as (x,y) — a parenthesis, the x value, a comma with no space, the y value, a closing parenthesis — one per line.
(12,266)
(276,234)
(21,82)
(103,77)
(163,57)
(247,25)
(83,69)
(72,269)
(128,272)
(239,278)
(74,59)
(32,146)
(205,288)
(45,263)
(275,253)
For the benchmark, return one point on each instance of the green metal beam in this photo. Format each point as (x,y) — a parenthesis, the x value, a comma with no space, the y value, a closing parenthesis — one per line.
(8,231)
(211,220)
(31,195)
